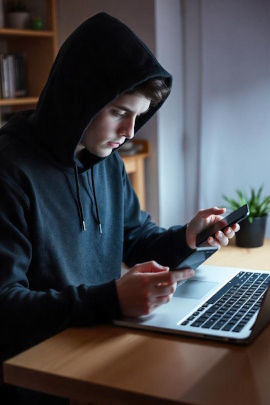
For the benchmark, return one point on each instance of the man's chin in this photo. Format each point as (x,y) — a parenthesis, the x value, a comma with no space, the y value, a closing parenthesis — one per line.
(104,154)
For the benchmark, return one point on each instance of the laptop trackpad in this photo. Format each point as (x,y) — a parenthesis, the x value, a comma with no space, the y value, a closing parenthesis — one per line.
(194,289)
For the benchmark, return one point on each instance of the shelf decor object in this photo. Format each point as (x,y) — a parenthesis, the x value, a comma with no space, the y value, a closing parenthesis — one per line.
(36,23)
(18,15)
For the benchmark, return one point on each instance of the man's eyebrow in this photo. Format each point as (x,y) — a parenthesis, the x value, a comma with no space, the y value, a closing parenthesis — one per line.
(120,107)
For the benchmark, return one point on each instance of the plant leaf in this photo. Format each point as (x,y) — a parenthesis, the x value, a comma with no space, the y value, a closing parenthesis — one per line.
(256,206)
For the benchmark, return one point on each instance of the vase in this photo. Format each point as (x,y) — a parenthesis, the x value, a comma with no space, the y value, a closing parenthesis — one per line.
(19,20)
(251,235)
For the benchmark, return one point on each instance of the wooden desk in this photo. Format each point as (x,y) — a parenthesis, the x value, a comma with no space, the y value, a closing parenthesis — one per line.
(113,365)
(134,165)
(252,258)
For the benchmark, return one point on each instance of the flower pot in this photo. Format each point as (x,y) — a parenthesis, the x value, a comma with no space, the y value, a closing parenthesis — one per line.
(251,235)
(19,20)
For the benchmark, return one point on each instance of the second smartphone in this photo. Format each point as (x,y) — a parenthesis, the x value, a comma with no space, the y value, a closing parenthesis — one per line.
(195,258)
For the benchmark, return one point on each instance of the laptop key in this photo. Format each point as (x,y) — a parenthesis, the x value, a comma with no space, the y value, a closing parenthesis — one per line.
(219,325)
(228,327)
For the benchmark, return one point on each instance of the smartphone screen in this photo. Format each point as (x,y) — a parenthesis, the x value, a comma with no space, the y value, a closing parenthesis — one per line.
(197,257)
(235,217)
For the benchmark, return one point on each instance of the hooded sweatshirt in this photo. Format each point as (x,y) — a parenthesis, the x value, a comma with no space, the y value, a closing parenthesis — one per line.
(57,269)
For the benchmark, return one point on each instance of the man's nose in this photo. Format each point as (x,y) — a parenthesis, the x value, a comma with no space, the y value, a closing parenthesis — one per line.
(130,133)
(128,129)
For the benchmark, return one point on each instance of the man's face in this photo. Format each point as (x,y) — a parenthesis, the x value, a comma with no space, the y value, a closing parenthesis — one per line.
(113,124)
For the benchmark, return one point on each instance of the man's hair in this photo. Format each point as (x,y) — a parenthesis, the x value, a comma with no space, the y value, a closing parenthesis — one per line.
(155,90)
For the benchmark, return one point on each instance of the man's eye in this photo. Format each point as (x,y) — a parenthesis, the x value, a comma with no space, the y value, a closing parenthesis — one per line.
(119,113)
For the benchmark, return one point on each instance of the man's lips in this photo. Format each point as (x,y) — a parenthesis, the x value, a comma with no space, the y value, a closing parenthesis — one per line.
(114,144)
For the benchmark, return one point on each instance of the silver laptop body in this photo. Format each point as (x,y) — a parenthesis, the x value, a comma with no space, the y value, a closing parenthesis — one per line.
(198,302)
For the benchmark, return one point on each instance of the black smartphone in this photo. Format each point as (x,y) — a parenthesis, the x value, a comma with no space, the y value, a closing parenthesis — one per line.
(197,257)
(235,217)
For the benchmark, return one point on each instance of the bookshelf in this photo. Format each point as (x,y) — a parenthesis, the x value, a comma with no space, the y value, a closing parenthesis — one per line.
(39,48)
(134,165)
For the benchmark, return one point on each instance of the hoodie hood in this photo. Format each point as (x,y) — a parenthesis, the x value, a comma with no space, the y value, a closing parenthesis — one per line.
(99,61)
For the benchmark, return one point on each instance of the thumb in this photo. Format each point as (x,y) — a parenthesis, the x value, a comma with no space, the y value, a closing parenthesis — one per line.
(150,267)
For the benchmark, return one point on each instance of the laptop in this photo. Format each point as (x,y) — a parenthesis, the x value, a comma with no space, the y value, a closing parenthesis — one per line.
(219,303)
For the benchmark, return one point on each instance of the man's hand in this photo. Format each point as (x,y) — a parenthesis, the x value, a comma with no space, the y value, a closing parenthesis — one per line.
(147,286)
(204,219)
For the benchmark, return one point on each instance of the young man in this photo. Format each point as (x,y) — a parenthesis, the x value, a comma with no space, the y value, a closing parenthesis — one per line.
(68,214)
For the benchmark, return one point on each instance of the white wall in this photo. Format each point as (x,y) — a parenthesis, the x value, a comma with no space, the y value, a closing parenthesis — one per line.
(170,118)
(192,73)
(234,97)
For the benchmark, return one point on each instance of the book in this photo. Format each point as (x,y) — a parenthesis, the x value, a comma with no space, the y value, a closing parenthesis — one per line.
(4,76)
(13,77)
(20,76)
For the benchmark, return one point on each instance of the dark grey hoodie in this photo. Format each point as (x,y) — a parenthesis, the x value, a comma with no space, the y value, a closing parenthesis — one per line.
(53,274)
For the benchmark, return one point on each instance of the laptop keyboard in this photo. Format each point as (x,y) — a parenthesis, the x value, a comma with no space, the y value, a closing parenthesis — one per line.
(233,305)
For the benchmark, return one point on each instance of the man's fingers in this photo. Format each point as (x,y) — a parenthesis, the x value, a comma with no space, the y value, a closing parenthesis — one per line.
(161,275)
(211,211)
(164,290)
(172,276)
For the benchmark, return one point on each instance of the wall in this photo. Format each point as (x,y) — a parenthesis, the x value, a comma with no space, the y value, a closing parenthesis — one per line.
(171,117)
(230,88)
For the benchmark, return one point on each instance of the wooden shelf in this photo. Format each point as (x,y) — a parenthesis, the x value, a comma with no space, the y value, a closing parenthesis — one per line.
(11,32)
(18,101)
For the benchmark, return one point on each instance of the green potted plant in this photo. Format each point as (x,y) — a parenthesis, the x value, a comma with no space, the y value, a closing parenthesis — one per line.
(252,229)
(18,14)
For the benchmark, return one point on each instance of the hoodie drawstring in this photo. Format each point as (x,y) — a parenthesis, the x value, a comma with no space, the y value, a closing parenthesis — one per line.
(79,198)
(95,199)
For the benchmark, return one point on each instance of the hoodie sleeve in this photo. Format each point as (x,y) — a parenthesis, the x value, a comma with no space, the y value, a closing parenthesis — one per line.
(26,316)
(145,241)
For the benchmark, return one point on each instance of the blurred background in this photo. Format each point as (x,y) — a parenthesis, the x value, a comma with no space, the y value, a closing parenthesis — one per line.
(212,136)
